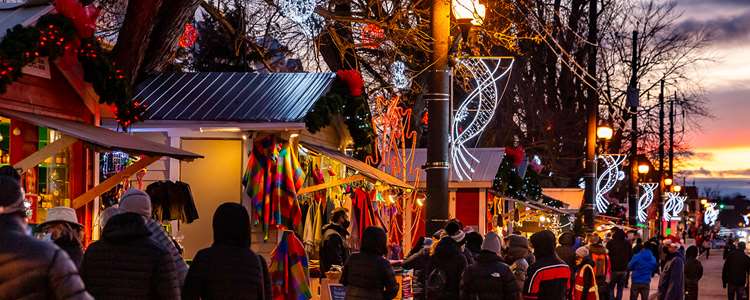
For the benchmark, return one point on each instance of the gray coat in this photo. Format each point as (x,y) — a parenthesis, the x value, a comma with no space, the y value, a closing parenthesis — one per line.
(160,237)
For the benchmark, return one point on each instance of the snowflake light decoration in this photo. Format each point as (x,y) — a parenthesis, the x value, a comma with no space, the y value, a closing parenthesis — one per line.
(645,200)
(673,207)
(398,71)
(711,215)
(607,179)
(477,109)
(297,10)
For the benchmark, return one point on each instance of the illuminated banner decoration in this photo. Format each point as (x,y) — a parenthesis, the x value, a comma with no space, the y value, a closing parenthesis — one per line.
(711,215)
(645,200)
(607,179)
(673,207)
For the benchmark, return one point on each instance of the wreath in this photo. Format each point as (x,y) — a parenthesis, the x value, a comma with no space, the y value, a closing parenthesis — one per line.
(51,37)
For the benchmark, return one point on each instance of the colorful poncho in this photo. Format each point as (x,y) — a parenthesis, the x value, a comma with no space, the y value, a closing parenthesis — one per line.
(289,276)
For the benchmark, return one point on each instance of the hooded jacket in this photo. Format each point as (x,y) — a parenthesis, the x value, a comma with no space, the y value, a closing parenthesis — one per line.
(548,277)
(693,267)
(449,258)
(488,278)
(672,279)
(642,266)
(565,250)
(33,269)
(126,263)
(332,248)
(228,269)
(619,251)
(736,267)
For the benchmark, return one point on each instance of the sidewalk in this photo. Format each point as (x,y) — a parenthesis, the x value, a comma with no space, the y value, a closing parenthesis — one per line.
(710,286)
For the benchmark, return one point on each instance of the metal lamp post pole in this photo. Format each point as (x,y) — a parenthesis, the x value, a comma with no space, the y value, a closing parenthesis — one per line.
(633,103)
(593,108)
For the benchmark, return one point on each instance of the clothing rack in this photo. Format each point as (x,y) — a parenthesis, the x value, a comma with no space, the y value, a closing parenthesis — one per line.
(333,183)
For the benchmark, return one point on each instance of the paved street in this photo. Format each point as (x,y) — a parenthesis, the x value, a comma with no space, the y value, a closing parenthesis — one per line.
(710,285)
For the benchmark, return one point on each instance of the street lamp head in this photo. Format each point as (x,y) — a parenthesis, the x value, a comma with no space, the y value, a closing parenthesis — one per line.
(469,11)
(643,168)
(677,188)
(604,132)
(704,201)
(667,181)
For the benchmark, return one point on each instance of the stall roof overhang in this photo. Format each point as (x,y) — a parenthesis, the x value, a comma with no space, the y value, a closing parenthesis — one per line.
(572,197)
(232,96)
(360,166)
(484,170)
(101,137)
(22,13)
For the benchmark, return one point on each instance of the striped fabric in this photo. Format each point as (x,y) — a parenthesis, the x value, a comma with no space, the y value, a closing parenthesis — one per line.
(288,270)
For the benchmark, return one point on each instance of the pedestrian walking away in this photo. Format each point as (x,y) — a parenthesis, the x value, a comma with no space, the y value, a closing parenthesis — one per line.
(602,265)
(642,267)
(489,278)
(585,280)
(734,273)
(444,270)
(693,273)
(228,269)
(30,268)
(62,227)
(417,260)
(367,275)
(548,277)
(517,253)
(620,251)
(671,280)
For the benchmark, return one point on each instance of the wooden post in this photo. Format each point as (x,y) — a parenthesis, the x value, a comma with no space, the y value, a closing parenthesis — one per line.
(48,151)
(113,181)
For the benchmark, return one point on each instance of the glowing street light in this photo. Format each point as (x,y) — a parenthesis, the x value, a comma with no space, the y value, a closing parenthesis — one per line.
(667,181)
(643,168)
(677,188)
(469,11)
(704,201)
(604,132)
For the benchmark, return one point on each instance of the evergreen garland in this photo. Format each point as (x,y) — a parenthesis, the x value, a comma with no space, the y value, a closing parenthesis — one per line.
(507,182)
(52,35)
(356,113)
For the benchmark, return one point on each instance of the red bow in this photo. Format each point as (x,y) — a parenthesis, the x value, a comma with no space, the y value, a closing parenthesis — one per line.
(83,17)
(353,80)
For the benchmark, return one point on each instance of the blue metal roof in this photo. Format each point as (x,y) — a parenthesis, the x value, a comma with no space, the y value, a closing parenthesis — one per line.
(21,13)
(232,96)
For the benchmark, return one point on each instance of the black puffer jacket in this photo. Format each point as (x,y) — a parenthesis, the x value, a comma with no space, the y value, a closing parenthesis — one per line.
(33,269)
(228,269)
(489,279)
(72,248)
(369,277)
(126,263)
(332,248)
(449,258)
(565,250)
(620,251)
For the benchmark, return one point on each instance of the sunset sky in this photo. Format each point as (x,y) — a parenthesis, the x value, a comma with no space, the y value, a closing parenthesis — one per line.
(722,145)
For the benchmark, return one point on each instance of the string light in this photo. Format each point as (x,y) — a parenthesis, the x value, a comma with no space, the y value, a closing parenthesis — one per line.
(645,200)
(478,107)
(297,10)
(711,215)
(608,179)
(399,79)
(673,207)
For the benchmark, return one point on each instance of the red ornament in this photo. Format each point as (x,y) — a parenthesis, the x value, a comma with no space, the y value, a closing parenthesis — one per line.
(353,80)
(515,154)
(83,17)
(189,36)
(372,36)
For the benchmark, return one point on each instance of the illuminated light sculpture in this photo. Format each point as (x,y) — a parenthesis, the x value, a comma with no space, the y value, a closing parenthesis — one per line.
(398,71)
(608,179)
(395,143)
(297,10)
(477,109)
(673,207)
(645,200)
(711,214)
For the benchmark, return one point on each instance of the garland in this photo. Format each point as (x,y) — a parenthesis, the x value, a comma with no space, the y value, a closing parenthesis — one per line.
(355,110)
(51,37)
(507,182)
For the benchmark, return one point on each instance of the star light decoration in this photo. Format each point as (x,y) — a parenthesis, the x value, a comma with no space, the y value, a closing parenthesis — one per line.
(711,214)
(673,207)
(607,179)
(477,109)
(645,200)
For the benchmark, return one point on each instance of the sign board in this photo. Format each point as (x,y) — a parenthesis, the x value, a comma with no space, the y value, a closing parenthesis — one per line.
(336,291)
(39,68)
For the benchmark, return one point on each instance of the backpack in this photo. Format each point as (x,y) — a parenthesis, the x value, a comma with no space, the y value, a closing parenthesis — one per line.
(436,283)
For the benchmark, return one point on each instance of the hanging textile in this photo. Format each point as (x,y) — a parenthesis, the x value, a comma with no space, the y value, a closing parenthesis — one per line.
(258,177)
(172,201)
(288,270)
(288,179)
(361,203)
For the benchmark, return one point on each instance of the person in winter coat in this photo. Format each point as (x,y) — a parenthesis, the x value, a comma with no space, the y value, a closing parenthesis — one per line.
(602,265)
(367,275)
(734,273)
(474,244)
(565,249)
(62,227)
(418,261)
(137,201)
(693,273)
(585,282)
(729,248)
(548,277)
(444,270)
(333,250)
(642,267)
(672,278)
(453,230)
(30,268)
(620,251)
(126,263)
(489,278)
(516,257)
(228,269)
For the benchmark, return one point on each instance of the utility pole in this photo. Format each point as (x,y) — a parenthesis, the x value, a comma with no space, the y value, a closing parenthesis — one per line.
(659,200)
(633,104)
(438,109)
(593,109)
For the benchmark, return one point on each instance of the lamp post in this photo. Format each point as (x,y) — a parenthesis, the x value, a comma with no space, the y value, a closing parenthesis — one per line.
(592,109)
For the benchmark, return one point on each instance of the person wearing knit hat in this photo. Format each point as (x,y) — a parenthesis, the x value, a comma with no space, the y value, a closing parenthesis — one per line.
(519,257)
(489,277)
(585,279)
(454,231)
(582,252)
(549,276)
(137,201)
(31,268)
(107,214)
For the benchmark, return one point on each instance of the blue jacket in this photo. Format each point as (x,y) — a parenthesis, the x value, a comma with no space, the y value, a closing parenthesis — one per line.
(672,278)
(642,267)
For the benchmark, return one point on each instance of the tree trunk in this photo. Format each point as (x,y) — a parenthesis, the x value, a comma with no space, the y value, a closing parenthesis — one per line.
(133,38)
(171,19)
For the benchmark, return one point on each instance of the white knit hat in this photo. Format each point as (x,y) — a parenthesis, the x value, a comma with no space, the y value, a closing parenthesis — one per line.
(136,201)
(582,251)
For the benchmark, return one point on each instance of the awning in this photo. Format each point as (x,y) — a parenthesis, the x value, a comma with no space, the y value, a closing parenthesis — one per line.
(570,196)
(102,137)
(360,166)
